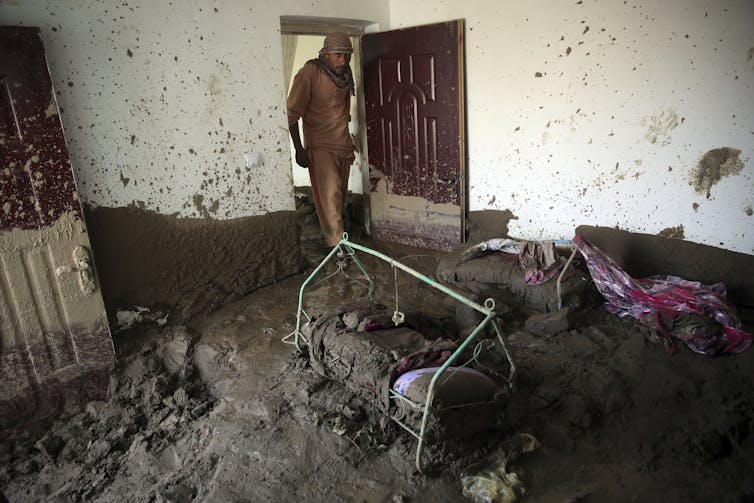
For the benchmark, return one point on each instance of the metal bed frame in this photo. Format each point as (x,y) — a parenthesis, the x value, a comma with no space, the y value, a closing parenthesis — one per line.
(346,247)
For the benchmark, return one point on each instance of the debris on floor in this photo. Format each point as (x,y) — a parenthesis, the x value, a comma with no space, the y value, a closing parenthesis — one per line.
(495,484)
(516,272)
(147,440)
(222,410)
(390,368)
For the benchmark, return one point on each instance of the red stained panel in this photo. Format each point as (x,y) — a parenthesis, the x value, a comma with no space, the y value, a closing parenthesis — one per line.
(36,179)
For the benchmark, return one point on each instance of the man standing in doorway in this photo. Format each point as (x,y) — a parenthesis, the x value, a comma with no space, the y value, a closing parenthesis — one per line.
(321,95)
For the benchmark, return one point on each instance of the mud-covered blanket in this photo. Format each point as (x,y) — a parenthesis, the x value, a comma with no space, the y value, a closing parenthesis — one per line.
(360,347)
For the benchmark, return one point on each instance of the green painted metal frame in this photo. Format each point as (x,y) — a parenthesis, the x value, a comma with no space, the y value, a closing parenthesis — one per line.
(347,247)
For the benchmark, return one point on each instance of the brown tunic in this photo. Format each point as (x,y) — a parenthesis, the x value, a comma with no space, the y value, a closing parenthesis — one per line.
(324,107)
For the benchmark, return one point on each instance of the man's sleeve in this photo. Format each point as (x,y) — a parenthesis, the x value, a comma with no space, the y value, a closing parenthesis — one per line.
(298,98)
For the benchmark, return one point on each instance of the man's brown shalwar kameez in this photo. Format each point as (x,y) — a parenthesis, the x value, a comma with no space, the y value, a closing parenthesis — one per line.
(325,108)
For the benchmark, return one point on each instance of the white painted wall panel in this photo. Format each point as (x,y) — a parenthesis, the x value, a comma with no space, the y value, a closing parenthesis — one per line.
(161,100)
(631,96)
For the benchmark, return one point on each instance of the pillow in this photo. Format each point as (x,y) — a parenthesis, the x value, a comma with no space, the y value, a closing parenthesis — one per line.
(456,386)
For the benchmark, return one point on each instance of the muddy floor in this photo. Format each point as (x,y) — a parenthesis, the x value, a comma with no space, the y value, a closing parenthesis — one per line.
(220,408)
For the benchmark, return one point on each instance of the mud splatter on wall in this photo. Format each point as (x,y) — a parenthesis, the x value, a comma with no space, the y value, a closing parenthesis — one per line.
(715,165)
(169,96)
(604,126)
(660,125)
(162,100)
(672,232)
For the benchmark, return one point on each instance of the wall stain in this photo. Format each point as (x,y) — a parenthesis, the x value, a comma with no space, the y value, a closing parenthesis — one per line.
(748,211)
(486,224)
(660,125)
(213,85)
(203,210)
(198,200)
(673,232)
(715,165)
(124,179)
(137,265)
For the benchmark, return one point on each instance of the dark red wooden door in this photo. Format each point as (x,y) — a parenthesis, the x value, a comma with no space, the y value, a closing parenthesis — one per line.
(414,97)
(55,347)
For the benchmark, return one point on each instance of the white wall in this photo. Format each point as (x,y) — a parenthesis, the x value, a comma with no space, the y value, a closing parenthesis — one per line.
(123,113)
(612,132)
(161,100)
(308,47)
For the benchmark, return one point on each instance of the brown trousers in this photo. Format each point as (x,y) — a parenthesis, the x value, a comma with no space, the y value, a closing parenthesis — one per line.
(328,172)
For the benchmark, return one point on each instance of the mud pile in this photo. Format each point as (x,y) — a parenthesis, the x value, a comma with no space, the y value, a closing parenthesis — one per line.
(145,441)
(224,411)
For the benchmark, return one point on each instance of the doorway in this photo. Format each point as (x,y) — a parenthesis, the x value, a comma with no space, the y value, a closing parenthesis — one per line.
(410,96)
(297,50)
(301,39)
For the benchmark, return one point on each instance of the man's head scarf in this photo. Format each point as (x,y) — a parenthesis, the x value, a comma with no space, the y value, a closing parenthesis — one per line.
(336,43)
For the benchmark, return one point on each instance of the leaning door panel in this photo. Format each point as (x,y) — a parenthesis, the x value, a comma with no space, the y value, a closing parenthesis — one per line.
(55,347)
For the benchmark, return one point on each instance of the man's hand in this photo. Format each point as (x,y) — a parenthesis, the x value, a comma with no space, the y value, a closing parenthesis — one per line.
(302,158)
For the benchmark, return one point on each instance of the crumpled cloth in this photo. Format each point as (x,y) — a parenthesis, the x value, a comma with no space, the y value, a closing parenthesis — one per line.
(539,261)
(504,245)
(423,359)
(659,301)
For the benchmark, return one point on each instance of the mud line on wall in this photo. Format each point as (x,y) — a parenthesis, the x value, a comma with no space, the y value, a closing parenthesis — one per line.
(190,265)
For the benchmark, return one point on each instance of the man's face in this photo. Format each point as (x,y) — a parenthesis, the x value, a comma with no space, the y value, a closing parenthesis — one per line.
(337,62)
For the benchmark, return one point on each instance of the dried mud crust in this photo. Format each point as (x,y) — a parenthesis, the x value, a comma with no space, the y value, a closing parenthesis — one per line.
(617,419)
(147,440)
(498,275)
(365,362)
(620,419)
